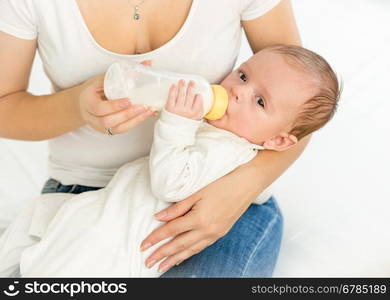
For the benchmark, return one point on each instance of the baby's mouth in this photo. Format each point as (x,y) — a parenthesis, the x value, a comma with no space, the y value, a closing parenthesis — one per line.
(227,108)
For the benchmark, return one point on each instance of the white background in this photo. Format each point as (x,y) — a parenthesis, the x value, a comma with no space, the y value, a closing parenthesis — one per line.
(336,197)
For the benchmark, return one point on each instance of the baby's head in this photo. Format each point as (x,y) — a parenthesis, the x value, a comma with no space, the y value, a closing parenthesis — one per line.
(278,96)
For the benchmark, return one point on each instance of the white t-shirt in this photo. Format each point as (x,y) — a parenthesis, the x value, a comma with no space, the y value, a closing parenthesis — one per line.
(207,45)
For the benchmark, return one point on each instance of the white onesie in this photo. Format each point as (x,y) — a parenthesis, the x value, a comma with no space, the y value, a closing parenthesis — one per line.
(98,233)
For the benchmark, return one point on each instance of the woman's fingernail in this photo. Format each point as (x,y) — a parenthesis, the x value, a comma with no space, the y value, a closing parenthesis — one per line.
(161,215)
(146,246)
(139,108)
(125,103)
(146,114)
(163,269)
(150,264)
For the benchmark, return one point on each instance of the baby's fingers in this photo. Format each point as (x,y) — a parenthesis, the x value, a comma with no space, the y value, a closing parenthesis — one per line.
(181,97)
(197,106)
(172,97)
(190,97)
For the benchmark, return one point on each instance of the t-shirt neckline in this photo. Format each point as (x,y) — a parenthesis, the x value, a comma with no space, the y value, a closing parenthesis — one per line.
(168,44)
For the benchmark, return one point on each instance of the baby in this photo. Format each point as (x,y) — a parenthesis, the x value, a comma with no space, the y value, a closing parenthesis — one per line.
(277,97)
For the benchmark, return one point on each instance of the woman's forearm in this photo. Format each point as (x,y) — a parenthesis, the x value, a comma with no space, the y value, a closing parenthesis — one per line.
(267,166)
(28,117)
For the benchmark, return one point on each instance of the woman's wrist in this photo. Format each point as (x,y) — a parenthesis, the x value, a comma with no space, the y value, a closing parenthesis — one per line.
(245,180)
(74,96)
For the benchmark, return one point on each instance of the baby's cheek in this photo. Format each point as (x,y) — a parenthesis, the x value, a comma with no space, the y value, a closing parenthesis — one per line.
(244,127)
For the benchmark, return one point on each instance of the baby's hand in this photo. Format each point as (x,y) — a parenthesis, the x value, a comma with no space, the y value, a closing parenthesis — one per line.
(183,102)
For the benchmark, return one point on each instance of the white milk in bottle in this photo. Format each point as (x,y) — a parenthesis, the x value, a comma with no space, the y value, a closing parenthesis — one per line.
(149,86)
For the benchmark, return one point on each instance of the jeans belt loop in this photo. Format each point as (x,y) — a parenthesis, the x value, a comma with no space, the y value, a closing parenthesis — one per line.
(73,188)
(58,184)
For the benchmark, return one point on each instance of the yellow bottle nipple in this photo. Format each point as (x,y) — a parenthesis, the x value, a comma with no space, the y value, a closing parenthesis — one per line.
(220,103)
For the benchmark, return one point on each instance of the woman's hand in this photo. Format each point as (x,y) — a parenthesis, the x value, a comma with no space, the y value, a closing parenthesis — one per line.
(201,219)
(119,114)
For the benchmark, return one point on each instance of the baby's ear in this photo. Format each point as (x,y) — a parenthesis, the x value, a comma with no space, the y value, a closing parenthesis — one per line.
(280,142)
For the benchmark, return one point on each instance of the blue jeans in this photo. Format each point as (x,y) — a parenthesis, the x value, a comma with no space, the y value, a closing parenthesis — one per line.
(249,249)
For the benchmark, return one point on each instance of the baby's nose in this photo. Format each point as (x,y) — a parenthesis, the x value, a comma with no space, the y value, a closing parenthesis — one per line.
(241,95)
(237,94)
(234,97)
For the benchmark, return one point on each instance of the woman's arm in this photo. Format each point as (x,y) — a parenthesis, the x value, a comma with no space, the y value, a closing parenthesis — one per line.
(278,26)
(28,117)
(199,220)
(23,115)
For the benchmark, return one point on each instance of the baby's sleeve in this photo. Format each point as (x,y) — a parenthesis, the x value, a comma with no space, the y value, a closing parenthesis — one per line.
(180,165)
(251,9)
(18,18)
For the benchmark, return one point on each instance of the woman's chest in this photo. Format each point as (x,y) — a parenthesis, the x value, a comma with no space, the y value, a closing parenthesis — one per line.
(114,26)
(74,47)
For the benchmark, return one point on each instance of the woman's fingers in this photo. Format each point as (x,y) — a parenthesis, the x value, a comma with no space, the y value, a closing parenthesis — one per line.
(102,108)
(179,257)
(174,227)
(180,243)
(119,114)
(178,209)
(135,121)
(113,120)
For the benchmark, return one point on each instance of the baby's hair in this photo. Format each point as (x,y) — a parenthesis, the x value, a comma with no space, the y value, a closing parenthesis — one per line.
(320,108)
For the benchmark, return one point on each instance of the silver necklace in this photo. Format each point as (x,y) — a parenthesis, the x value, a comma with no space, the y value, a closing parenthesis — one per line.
(136,15)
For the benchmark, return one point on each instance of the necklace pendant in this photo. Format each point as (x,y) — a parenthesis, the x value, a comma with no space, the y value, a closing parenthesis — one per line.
(136,15)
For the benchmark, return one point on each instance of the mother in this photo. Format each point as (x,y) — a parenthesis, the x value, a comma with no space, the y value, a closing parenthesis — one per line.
(77,40)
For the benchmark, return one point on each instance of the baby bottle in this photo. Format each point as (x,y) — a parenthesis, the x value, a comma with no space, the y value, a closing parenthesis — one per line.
(149,86)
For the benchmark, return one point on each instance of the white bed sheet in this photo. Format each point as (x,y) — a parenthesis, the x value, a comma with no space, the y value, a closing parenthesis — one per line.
(336,198)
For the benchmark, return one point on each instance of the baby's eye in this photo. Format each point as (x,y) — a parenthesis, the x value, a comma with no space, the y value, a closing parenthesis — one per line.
(242,76)
(260,101)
